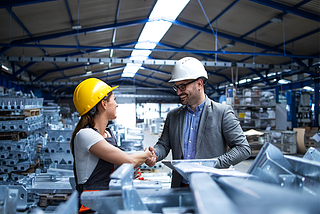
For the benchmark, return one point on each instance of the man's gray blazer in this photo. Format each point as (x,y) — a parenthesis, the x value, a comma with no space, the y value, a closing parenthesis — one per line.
(218,129)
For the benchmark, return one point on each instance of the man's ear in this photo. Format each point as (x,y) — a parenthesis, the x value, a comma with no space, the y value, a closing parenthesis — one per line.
(200,84)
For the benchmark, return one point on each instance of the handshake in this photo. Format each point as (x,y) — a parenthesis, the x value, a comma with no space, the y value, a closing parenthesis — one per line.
(152,159)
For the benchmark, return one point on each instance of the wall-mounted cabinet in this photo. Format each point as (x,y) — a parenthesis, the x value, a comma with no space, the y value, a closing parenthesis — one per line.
(254,108)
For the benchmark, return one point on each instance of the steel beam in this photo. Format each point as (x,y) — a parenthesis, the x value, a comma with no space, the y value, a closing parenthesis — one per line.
(286,8)
(146,62)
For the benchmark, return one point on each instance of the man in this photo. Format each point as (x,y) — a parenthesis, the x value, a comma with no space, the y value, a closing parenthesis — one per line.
(201,128)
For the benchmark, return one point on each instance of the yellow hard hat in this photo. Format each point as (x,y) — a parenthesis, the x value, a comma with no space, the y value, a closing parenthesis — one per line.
(88,93)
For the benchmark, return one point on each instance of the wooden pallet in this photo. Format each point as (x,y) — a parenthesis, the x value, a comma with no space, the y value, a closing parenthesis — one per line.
(312,144)
(31,112)
(47,199)
(14,136)
(33,167)
(17,114)
(309,141)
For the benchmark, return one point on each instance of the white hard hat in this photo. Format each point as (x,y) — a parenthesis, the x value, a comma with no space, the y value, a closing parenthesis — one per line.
(188,68)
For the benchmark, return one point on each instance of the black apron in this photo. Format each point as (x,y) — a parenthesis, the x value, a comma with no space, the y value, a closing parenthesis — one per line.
(100,177)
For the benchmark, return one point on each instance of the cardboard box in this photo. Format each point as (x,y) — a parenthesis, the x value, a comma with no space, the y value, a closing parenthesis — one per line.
(305,139)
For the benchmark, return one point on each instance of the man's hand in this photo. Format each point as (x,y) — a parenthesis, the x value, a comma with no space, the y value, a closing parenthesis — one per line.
(152,161)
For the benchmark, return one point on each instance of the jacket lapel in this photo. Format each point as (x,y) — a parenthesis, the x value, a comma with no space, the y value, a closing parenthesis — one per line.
(182,116)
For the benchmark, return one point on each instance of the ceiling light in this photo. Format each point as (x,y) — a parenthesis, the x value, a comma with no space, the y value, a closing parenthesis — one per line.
(276,19)
(283,81)
(76,27)
(231,44)
(112,69)
(5,67)
(130,70)
(308,88)
(153,31)
(103,50)
(89,73)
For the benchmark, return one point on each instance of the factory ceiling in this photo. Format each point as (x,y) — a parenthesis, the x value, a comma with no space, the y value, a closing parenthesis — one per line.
(55,44)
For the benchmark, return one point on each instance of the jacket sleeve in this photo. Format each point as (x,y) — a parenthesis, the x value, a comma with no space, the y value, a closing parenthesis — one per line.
(235,138)
(163,145)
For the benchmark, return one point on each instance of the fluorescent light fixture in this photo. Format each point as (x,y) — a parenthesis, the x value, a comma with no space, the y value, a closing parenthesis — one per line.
(76,27)
(231,44)
(103,50)
(130,70)
(89,73)
(271,74)
(153,31)
(308,88)
(256,78)
(242,81)
(5,67)
(111,53)
(276,19)
(112,69)
(283,81)
(101,63)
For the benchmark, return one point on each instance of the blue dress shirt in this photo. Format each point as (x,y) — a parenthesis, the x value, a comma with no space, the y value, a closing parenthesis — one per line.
(191,125)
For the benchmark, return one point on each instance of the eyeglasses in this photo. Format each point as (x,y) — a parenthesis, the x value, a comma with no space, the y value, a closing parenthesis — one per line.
(182,87)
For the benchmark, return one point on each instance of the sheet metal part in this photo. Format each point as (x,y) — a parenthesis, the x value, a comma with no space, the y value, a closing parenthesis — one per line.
(309,170)
(282,190)
(271,166)
(20,103)
(258,197)
(110,201)
(205,162)
(187,169)
(8,200)
(56,147)
(131,199)
(28,124)
(209,197)
(312,154)
(17,156)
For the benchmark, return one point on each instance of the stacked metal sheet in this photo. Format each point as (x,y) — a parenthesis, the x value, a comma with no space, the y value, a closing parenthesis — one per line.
(56,149)
(51,114)
(20,117)
(20,112)
(17,157)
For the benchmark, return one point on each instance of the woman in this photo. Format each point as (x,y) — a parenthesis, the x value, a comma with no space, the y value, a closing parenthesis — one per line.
(93,145)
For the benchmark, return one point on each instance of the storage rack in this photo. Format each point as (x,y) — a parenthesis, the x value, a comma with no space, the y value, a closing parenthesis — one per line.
(254,108)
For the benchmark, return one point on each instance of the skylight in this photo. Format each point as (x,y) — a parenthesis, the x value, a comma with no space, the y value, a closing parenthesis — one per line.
(153,31)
